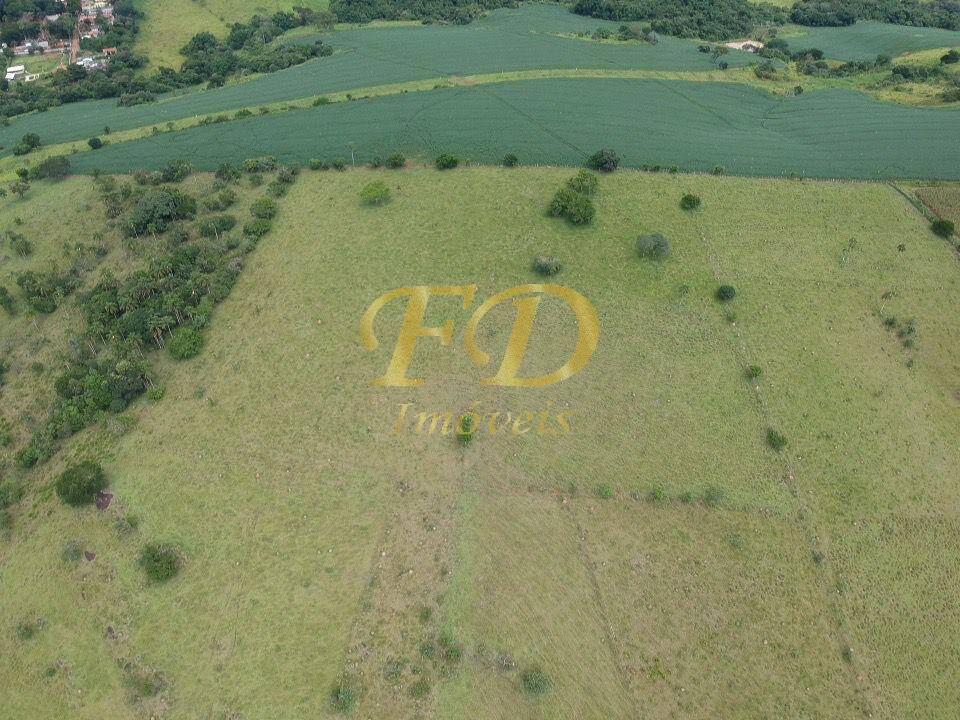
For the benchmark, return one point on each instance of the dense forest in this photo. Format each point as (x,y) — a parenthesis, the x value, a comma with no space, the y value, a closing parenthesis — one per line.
(939,13)
(455,11)
(706,19)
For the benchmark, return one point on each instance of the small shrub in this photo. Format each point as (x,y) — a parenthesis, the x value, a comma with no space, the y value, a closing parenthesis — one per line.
(257,228)
(264,208)
(776,439)
(653,247)
(510,160)
(339,164)
(375,193)
(396,161)
(72,552)
(26,630)
(754,372)
(726,293)
(657,495)
(80,484)
(446,161)
(942,228)
(317,164)
(420,689)
(465,429)
(547,266)
(719,170)
(185,343)
(713,496)
(343,697)
(690,202)
(95,143)
(215,225)
(605,160)
(160,562)
(535,681)
(584,182)
(604,491)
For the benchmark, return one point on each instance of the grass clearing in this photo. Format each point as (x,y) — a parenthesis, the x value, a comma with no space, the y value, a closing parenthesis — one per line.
(318,545)
(169,24)
(866,39)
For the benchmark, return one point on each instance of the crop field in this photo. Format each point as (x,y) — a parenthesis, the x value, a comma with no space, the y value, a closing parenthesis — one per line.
(831,133)
(507,40)
(658,560)
(865,40)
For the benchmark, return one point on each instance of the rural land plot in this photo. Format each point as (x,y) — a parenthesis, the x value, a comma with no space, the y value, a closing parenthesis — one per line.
(871,418)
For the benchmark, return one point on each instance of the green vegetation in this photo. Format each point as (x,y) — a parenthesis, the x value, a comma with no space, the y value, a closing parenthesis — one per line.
(80,484)
(759,134)
(689,202)
(375,193)
(159,562)
(653,247)
(519,574)
(707,19)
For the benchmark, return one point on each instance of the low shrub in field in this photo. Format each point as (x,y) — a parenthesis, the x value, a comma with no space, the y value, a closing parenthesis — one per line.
(375,193)
(339,164)
(653,247)
(510,160)
(584,182)
(185,343)
(713,496)
(577,208)
(396,161)
(690,202)
(754,372)
(257,228)
(657,495)
(264,208)
(317,164)
(81,483)
(343,697)
(535,681)
(604,491)
(446,161)
(215,225)
(160,562)
(547,266)
(605,160)
(726,293)
(221,201)
(420,689)
(95,143)
(776,439)
(942,228)
(465,429)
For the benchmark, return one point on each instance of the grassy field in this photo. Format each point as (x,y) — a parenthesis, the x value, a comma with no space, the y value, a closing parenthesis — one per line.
(169,24)
(830,133)
(659,560)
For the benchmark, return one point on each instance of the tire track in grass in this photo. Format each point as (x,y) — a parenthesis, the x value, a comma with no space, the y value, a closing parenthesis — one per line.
(804,513)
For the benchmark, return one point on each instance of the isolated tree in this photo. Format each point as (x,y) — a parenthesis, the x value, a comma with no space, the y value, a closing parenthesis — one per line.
(20,188)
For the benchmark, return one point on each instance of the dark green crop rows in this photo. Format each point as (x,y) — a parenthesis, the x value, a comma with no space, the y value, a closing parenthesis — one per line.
(693,125)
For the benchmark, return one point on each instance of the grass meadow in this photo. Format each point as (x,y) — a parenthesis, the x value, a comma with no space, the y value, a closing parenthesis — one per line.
(659,560)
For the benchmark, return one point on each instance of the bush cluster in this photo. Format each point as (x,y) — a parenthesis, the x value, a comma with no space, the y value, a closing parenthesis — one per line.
(577,208)
(160,562)
(80,484)
(653,247)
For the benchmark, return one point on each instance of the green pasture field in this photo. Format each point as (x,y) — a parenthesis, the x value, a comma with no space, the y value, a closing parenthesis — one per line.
(693,125)
(168,25)
(865,40)
(659,560)
(504,41)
